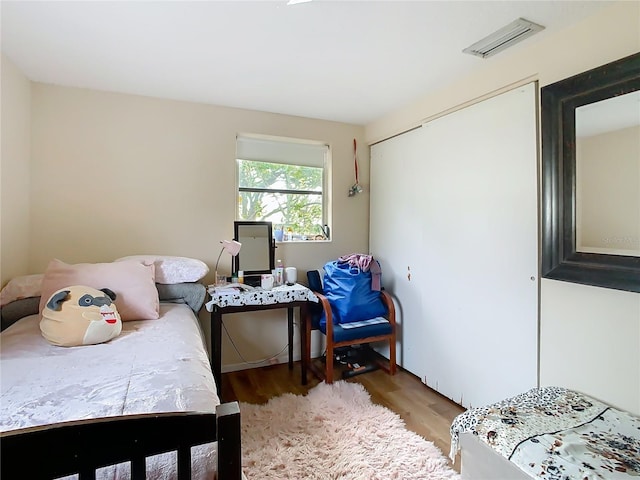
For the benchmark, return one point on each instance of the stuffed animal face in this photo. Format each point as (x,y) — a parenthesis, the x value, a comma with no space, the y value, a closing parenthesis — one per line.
(80,315)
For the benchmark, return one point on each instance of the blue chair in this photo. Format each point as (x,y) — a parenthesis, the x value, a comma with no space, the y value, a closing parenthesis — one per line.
(337,336)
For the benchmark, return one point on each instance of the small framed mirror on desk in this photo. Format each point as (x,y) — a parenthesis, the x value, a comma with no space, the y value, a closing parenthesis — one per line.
(257,255)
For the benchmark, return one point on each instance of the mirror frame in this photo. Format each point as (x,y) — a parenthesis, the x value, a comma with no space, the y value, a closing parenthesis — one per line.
(560,260)
(236,259)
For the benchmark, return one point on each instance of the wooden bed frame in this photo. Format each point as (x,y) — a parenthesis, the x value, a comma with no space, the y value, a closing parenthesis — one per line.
(81,447)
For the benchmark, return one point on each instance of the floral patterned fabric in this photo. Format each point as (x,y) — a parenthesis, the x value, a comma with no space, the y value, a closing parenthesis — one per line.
(554,433)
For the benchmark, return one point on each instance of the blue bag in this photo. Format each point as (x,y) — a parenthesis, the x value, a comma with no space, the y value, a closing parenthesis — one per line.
(349,292)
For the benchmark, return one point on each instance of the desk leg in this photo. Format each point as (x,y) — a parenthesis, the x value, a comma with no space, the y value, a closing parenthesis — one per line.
(216,349)
(305,340)
(290,332)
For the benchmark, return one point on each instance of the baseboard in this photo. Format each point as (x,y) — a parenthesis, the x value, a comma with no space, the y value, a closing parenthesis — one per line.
(282,358)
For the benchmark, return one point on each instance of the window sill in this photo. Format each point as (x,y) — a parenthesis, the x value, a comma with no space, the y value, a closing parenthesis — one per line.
(284,242)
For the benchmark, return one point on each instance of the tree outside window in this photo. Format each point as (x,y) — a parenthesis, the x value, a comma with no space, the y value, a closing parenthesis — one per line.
(289,196)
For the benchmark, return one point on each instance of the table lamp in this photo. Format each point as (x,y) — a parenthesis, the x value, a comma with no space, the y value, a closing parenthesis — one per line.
(232,247)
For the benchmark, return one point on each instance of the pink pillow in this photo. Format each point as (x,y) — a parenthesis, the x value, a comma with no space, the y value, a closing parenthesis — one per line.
(132,282)
(23,286)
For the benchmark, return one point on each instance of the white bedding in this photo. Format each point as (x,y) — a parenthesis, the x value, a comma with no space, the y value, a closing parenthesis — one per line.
(152,366)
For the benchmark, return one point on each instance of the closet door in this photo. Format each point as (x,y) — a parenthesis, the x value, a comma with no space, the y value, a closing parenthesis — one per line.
(474,336)
(396,234)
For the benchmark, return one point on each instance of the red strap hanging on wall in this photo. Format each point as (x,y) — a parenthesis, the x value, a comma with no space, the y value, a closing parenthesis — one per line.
(355,158)
(355,188)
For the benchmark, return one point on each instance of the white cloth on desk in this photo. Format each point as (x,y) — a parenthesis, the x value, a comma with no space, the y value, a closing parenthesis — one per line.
(257,296)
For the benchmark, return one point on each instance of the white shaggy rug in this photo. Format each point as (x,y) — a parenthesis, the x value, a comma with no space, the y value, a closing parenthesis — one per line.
(334,432)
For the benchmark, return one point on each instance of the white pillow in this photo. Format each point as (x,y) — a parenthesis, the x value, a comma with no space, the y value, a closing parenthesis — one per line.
(24,286)
(173,269)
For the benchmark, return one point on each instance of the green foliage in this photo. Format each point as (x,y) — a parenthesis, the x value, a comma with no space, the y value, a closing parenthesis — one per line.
(286,200)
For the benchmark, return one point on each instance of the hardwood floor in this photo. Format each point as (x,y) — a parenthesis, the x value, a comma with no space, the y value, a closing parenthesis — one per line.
(424,411)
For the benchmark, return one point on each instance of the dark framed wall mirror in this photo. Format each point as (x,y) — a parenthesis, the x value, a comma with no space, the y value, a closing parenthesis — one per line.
(257,254)
(591,177)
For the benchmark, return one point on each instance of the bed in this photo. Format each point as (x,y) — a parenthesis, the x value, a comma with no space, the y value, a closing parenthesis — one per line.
(548,433)
(143,404)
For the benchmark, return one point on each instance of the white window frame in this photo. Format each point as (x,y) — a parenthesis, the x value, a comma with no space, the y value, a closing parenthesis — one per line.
(292,151)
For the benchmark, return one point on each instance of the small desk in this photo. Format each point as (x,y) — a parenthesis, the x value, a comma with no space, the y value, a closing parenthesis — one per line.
(225,301)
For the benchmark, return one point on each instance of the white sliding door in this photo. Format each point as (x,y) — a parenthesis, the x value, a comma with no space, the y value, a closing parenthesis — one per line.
(396,234)
(470,326)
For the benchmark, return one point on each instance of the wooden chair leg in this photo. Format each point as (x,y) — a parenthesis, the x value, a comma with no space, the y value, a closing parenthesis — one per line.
(306,344)
(392,356)
(328,376)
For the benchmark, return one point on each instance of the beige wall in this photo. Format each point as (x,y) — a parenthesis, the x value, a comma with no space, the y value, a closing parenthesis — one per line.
(115,175)
(608,192)
(589,337)
(14,172)
(119,175)
(591,341)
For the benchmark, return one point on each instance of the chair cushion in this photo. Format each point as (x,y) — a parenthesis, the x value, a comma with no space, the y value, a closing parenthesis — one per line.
(344,334)
(363,323)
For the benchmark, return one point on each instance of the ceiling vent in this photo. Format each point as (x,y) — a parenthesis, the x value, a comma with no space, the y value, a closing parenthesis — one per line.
(505,37)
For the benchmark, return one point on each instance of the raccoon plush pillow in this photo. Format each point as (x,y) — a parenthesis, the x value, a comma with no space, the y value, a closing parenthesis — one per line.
(80,315)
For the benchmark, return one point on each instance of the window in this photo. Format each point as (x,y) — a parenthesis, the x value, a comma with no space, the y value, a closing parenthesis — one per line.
(283,181)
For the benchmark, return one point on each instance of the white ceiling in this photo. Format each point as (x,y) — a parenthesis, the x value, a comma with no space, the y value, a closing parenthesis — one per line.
(349,61)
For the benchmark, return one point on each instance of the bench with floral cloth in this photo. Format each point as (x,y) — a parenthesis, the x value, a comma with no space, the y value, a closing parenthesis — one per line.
(553,433)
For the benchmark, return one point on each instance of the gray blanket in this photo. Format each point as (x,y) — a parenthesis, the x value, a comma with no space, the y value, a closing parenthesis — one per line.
(192,294)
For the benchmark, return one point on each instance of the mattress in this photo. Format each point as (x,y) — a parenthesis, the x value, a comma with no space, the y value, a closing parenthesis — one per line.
(156,365)
(551,433)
